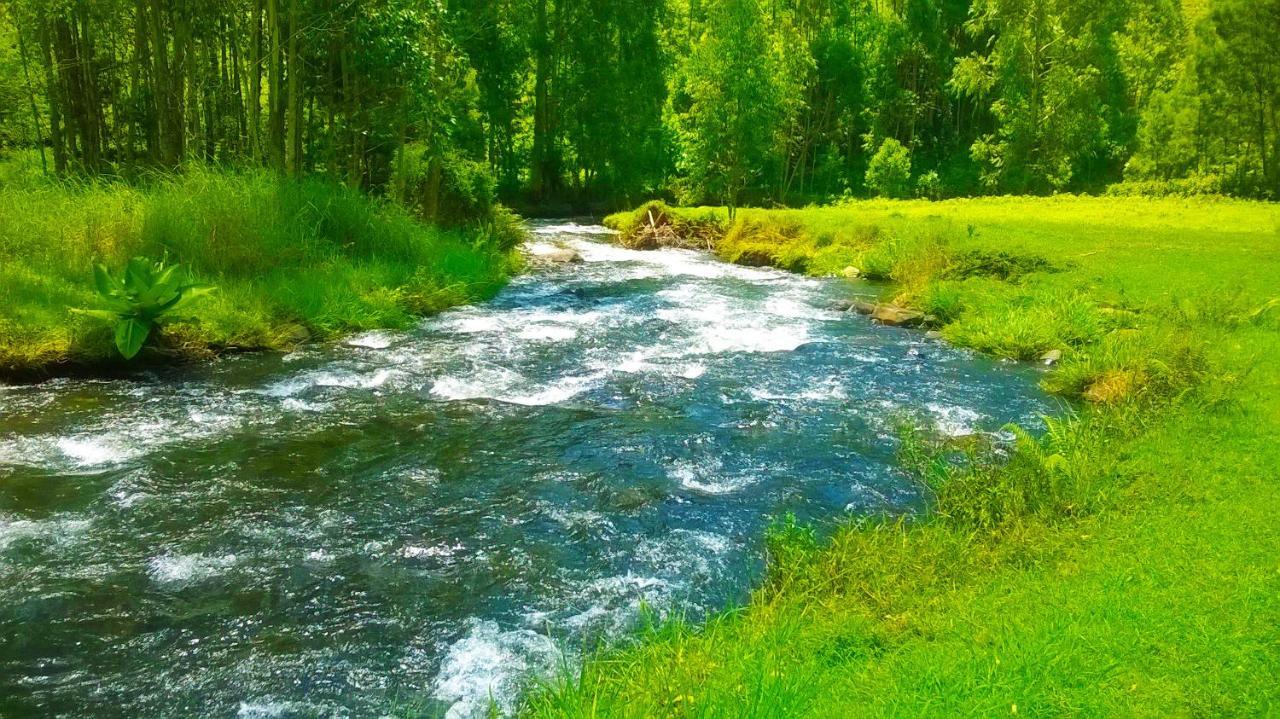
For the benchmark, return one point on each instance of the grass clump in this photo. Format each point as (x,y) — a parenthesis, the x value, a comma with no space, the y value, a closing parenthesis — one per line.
(1121,562)
(292,259)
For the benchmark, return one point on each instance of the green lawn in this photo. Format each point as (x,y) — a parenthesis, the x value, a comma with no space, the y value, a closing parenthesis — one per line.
(1126,564)
(292,260)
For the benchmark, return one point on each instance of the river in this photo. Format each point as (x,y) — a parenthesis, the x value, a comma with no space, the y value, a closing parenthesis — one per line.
(437,515)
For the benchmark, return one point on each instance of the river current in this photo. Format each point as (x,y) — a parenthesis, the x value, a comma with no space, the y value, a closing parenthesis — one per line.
(433,517)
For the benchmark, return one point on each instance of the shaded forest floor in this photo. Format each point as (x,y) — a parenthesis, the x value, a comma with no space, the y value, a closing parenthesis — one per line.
(292,261)
(1122,564)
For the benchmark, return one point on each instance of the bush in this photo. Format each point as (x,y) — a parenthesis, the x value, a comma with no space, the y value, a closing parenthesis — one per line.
(1193,186)
(929,186)
(889,172)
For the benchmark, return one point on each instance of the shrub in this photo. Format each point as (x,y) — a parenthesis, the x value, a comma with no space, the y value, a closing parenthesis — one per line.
(929,186)
(997,264)
(1193,186)
(889,172)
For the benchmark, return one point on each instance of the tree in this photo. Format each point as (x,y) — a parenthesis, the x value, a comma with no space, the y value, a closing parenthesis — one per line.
(729,103)
(1238,69)
(889,172)
(1053,88)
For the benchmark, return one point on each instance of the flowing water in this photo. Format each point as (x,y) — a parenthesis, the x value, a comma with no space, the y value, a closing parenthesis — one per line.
(444,512)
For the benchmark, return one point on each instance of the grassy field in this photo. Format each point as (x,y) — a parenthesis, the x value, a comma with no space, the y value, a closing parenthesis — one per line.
(1127,563)
(292,260)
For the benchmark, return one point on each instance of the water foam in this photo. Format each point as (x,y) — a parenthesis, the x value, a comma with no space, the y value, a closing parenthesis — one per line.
(707,476)
(377,340)
(96,451)
(503,385)
(573,228)
(59,530)
(490,665)
(952,420)
(184,569)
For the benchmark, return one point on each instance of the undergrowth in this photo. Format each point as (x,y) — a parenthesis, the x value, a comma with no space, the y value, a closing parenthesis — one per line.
(292,260)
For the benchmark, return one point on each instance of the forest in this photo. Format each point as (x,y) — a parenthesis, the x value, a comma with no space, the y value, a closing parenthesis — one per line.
(586,103)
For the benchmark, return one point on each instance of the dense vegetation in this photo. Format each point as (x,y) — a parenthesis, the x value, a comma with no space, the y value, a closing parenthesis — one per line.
(332,165)
(291,260)
(1121,565)
(734,101)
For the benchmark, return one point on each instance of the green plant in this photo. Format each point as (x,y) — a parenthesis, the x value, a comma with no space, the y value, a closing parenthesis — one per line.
(929,186)
(146,292)
(889,172)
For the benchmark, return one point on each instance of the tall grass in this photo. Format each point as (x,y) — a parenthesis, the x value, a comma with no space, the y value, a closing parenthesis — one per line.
(291,259)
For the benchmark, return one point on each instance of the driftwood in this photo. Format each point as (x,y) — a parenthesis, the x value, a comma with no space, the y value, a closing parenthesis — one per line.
(659,229)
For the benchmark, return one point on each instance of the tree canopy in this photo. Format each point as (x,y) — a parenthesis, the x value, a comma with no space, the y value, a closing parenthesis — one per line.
(594,102)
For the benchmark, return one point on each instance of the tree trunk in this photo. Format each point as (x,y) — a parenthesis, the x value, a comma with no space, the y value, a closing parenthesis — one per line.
(255,85)
(275,78)
(295,91)
(539,180)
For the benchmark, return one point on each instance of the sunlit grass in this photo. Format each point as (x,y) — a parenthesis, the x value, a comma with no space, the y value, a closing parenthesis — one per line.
(1120,564)
(292,259)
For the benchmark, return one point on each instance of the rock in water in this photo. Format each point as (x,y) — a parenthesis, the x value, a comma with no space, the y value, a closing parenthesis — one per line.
(1052,357)
(897,316)
(563,256)
(554,256)
(851,273)
(890,315)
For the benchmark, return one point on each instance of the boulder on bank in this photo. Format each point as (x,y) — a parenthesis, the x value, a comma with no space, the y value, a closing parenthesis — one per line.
(891,315)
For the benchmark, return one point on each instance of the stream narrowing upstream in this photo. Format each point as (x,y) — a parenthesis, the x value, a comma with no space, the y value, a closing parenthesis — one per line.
(449,510)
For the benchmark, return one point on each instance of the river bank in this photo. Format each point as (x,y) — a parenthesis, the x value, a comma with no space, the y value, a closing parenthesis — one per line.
(443,512)
(1122,564)
(293,261)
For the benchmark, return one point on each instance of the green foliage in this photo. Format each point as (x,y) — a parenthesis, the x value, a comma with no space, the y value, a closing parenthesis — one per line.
(999,264)
(292,259)
(732,97)
(1204,129)
(147,292)
(582,105)
(1045,75)
(889,172)
(929,186)
(451,190)
(1192,186)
